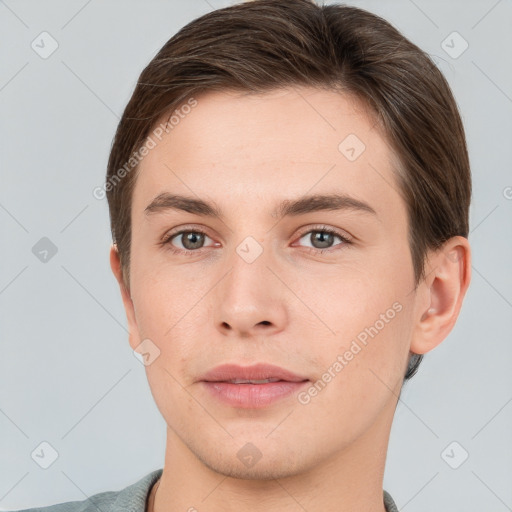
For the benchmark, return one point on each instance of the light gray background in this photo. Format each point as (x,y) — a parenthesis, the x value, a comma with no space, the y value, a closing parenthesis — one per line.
(68,375)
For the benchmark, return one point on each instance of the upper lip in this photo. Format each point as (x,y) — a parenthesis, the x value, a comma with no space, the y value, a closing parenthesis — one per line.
(260,371)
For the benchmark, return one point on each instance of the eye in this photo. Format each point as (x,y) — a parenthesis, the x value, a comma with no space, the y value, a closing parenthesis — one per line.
(188,240)
(322,238)
(191,241)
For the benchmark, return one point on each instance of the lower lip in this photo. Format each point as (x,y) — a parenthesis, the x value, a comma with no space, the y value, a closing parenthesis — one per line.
(253,395)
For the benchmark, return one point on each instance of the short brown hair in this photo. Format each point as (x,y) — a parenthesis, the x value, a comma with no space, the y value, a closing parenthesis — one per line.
(263,45)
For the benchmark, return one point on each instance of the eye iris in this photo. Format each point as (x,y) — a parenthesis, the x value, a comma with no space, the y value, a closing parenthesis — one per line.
(320,236)
(192,240)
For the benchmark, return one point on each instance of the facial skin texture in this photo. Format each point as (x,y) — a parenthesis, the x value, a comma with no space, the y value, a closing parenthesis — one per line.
(290,307)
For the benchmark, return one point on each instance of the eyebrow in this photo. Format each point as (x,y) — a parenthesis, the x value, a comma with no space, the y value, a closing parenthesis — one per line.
(288,207)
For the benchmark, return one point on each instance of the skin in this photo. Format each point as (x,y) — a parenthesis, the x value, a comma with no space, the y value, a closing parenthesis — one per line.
(290,307)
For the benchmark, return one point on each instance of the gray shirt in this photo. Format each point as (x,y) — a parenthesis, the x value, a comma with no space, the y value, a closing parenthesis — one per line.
(132,499)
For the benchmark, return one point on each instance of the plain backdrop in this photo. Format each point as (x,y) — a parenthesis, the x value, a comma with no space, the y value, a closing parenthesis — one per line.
(68,376)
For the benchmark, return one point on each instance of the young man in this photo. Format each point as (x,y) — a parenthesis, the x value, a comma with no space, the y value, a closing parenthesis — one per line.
(289,190)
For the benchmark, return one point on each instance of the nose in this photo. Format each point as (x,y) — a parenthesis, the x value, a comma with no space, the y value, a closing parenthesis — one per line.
(250,300)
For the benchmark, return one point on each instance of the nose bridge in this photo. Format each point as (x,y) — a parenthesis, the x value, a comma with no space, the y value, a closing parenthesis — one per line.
(248,256)
(247,284)
(249,297)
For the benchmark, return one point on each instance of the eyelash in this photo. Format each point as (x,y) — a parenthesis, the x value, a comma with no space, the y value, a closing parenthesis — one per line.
(318,229)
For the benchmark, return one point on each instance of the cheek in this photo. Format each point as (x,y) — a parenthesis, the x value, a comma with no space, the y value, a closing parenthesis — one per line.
(362,313)
(358,382)
(362,368)
(169,311)
(348,299)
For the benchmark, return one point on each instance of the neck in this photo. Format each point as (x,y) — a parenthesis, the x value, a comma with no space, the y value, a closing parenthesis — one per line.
(349,480)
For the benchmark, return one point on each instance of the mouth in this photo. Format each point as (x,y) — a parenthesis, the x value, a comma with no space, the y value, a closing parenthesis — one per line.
(252,387)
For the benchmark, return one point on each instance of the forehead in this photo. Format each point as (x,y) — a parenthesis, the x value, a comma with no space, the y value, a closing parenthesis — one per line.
(284,143)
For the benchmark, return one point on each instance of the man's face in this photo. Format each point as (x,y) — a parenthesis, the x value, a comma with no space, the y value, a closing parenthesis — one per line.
(261,288)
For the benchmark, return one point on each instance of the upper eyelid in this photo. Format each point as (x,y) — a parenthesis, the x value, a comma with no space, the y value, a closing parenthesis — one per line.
(335,231)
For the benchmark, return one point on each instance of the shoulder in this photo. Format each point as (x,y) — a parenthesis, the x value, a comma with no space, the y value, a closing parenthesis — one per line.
(101,501)
(130,499)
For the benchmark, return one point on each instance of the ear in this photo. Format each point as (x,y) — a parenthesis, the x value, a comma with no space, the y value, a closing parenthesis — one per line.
(440,295)
(115,265)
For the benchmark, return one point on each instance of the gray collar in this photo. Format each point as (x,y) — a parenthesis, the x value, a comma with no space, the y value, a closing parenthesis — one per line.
(133,498)
(389,503)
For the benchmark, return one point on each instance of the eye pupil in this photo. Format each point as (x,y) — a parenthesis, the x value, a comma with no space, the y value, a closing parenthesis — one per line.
(320,236)
(192,239)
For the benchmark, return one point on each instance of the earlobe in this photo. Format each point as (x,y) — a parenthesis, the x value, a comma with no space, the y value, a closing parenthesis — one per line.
(442,293)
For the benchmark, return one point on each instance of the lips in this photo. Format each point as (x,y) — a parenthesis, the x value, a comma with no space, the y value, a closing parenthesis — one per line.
(252,387)
(256,374)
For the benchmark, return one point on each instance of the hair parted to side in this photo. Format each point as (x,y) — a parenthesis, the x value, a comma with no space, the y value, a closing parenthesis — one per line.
(260,45)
